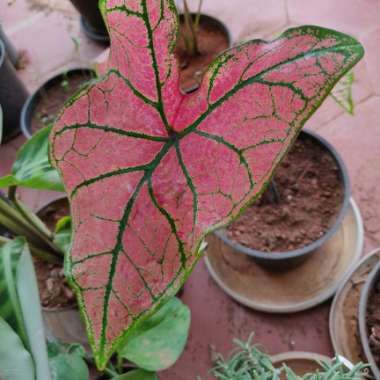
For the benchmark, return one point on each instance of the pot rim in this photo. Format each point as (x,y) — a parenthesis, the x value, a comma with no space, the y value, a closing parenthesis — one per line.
(338,295)
(33,100)
(364,298)
(2,52)
(94,34)
(279,256)
(301,355)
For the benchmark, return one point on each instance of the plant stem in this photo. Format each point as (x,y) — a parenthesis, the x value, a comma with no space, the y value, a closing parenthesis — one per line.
(191,41)
(12,220)
(12,193)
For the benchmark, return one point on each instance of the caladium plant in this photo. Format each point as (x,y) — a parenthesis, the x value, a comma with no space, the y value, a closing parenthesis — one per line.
(150,171)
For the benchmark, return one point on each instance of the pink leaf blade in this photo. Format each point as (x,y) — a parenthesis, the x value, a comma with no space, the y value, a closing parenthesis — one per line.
(150,171)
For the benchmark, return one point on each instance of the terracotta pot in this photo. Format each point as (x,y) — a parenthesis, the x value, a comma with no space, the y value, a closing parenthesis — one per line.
(371,281)
(28,109)
(281,261)
(13,94)
(300,362)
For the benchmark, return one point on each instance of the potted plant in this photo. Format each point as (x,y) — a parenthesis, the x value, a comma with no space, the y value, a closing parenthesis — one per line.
(42,107)
(149,171)
(201,38)
(26,354)
(249,362)
(12,95)
(369,320)
(92,21)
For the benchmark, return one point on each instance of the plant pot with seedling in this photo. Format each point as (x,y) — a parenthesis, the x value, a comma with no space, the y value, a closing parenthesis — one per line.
(303,207)
(43,106)
(48,233)
(12,96)
(369,319)
(92,21)
(149,171)
(201,39)
(250,362)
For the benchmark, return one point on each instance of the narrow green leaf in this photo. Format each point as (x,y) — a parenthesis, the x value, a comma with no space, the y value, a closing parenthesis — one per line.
(33,218)
(342,93)
(137,374)
(30,305)
(67,363)
(158,341)
(10,308)
(63,232)
(32,167)
(15,361)
(7,181)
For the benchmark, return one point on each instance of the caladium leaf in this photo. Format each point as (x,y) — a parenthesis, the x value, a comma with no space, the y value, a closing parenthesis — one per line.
(150,171)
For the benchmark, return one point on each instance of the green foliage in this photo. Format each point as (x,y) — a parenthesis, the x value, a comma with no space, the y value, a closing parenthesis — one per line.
(249,363)
(63,233)
(67,362)
(158,341)
(137,374)
(342,93)
(32,168)
(15,360)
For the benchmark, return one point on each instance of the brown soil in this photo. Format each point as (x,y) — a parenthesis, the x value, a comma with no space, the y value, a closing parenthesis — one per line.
(53,98)
(54,289)
(211,41)
(373,322)
(309,197)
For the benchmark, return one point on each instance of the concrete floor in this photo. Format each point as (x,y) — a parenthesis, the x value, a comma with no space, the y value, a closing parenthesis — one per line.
(45,29)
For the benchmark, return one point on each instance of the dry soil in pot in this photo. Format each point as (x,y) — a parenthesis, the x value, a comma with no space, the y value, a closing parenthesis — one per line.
(310,196)
(373,322)
(53,98)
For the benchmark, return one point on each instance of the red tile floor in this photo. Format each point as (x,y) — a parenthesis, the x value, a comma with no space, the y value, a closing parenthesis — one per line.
(44,29)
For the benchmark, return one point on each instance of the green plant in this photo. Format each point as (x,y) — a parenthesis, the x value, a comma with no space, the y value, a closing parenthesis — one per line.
(24,353)
(190,32)
(150,171)
(248,362)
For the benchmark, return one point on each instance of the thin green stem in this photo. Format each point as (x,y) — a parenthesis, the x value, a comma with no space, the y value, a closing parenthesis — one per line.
(12,193)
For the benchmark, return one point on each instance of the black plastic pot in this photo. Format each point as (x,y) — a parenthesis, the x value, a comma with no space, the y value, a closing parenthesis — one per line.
(9,48)
(13,94)
(371,281)
(32,102)
(217,25)
(280,261)
(92,21)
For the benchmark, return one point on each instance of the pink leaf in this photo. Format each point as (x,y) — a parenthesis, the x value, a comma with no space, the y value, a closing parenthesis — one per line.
(150,171)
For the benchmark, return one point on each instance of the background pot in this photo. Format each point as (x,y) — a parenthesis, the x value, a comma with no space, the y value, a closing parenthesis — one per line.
(13,94)
(64,323)
(92,21)
(300,362)
(371,281)
(9,48)
(218,27)
(280,261)
(32,102)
